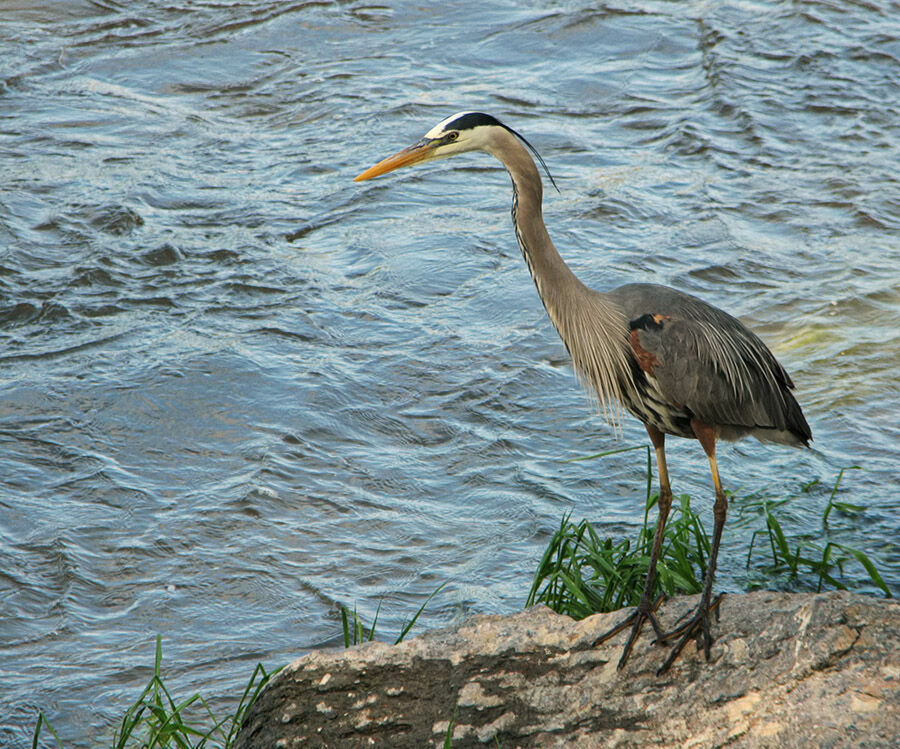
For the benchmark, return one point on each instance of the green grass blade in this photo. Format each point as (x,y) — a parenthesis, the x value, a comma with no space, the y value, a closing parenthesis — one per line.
(543,569)
(412,621)
(448,736)
(375,621)
(750,550)
(779,542)
(353,629)
(359,632)
(346,625)
(594,456)
(831,502)
(41,722)
(870,568)
(259,678)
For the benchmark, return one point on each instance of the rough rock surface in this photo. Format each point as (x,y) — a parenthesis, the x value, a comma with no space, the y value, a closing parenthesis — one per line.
(786,670)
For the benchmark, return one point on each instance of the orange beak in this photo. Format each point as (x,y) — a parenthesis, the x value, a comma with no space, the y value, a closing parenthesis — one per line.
(421,151)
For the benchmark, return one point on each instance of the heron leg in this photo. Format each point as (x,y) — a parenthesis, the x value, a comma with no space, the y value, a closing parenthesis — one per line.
(698,624)
(647,606)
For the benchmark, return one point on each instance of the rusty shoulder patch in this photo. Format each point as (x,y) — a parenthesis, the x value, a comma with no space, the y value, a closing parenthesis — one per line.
(646,360)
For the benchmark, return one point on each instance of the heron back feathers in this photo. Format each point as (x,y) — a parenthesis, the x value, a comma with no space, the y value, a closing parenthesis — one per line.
(708,364)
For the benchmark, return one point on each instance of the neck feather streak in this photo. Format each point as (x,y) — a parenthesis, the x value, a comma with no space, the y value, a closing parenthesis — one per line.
(593,329)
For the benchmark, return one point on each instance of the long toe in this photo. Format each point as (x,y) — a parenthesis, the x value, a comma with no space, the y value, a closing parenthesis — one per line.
(697,626)
(690,620)
(636,619)
(640,616)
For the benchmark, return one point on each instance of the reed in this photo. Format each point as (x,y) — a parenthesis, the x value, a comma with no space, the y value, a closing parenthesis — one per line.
(355,631)
(156,720)
(582,573)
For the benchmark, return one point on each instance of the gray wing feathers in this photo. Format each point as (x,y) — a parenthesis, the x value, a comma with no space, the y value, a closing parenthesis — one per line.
(711,364)
(720,376)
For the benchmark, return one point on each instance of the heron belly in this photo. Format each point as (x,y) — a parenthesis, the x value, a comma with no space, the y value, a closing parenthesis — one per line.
(647,402)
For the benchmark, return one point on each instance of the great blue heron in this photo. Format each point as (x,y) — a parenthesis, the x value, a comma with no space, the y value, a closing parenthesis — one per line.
(680,365)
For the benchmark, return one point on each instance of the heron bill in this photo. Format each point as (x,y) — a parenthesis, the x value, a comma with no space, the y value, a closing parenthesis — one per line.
(421,151)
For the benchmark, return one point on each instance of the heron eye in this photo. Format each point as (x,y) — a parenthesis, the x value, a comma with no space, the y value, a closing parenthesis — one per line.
(452,136)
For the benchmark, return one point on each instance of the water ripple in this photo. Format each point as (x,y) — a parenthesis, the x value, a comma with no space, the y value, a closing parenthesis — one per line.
(240,390)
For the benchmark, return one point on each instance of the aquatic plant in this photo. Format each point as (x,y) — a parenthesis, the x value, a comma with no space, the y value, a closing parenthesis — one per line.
(156,720)
(582,573)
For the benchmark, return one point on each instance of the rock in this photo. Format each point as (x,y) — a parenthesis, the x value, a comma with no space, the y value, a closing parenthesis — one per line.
(786,670)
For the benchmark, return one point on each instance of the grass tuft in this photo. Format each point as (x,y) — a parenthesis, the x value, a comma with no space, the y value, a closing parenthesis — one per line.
(801,558)
(355,631)
(41,722)
(157,721)
(582,573)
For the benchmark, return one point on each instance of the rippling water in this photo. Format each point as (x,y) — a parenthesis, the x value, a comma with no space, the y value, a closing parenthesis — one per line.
(239,389)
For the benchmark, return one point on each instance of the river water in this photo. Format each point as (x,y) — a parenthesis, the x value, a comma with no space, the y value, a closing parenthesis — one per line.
(238,390)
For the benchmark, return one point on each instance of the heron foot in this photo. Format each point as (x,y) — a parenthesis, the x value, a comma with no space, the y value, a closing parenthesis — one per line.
(643,613)
(697,626)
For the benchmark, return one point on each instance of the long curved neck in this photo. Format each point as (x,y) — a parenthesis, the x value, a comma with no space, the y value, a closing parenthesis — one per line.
(549,271)
(593,329)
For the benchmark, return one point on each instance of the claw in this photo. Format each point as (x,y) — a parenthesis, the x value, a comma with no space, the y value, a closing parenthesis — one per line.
(696,626)
(636,619)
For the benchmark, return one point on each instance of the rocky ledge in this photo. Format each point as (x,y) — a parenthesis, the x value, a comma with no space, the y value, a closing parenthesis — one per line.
(786,670)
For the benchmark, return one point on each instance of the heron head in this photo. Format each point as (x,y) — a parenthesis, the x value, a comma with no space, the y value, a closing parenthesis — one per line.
(461,132)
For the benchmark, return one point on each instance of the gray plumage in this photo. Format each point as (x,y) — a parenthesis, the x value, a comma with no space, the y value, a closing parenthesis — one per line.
(680,365)
(713,367)
(710,366)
